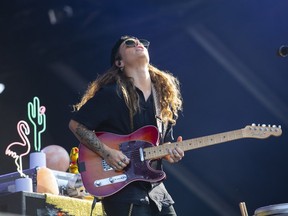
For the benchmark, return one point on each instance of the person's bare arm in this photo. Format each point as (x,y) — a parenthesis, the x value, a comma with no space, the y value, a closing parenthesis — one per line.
(113,157)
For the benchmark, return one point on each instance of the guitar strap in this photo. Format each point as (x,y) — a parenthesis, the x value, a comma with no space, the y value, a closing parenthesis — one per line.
(160,125)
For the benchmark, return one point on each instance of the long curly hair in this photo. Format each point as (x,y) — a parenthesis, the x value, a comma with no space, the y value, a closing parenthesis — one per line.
(166,85)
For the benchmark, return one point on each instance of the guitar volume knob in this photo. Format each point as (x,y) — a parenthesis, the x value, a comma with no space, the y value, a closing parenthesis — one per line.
(98,183)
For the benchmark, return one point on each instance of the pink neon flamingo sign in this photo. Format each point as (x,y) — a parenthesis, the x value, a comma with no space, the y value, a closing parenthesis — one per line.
(23,131)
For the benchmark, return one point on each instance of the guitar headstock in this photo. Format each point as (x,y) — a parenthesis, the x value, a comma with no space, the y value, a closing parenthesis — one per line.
(261,131)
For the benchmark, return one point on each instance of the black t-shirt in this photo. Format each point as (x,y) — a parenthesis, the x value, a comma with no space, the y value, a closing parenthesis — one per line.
(107,111)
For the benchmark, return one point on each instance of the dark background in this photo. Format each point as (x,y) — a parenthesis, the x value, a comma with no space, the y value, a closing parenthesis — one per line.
(224,52)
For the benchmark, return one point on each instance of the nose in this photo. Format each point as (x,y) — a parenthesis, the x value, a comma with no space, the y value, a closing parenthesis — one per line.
(139,43)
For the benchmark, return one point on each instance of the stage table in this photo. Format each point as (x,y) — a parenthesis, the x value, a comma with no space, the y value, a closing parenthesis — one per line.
(37,204)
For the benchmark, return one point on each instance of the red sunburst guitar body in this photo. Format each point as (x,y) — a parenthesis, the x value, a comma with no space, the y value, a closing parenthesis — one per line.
(100,180)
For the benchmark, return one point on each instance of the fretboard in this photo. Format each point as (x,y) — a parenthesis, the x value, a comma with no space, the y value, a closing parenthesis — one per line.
(190,144)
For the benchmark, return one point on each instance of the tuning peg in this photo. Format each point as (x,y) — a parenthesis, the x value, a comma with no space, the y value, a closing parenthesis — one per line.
(279,126)
(274,126)
(269,125)
(253,125)
(263,125)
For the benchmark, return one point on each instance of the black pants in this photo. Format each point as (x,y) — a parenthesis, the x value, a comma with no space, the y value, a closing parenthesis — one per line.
(126,209)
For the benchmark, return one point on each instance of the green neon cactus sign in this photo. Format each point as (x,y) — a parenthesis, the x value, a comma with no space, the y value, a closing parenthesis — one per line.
(37,117)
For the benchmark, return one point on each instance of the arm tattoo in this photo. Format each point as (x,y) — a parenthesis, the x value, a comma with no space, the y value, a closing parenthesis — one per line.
(88,138)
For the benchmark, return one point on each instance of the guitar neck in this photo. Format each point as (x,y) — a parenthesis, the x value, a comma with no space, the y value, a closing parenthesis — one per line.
(190,144)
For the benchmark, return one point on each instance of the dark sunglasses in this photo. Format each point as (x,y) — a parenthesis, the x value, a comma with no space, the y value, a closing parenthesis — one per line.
(132,43)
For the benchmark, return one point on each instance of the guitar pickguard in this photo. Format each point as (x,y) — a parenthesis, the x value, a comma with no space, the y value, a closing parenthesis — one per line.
(139,169)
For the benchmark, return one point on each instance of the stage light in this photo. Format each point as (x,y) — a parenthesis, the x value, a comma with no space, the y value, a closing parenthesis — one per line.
(2,87)
(58,15)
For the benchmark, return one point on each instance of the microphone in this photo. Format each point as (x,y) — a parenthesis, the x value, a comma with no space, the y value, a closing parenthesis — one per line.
(283,51)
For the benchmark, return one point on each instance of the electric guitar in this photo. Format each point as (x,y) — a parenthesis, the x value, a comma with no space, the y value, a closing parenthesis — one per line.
(141,146)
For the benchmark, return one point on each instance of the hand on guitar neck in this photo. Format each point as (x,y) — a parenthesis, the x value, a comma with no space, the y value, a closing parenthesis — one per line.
(175,154)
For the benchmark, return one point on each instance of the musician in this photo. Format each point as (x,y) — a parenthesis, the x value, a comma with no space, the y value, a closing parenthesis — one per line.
(129,95)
